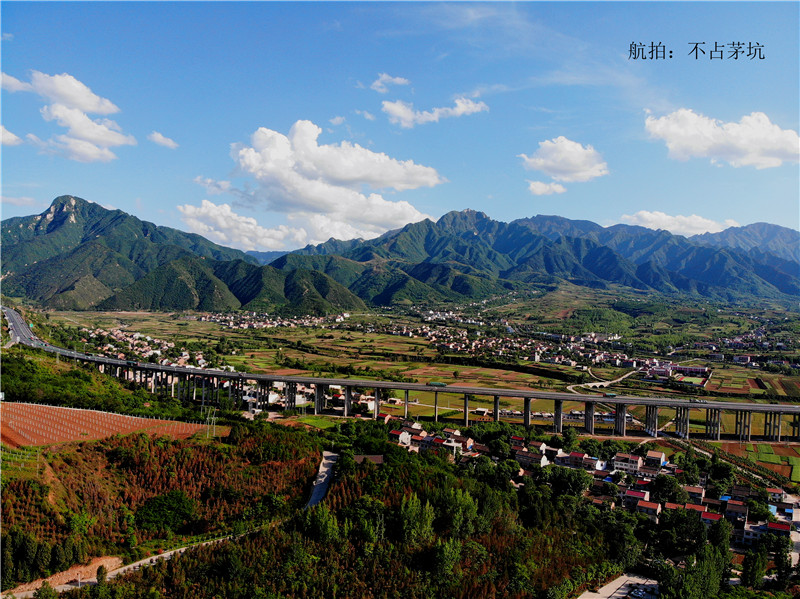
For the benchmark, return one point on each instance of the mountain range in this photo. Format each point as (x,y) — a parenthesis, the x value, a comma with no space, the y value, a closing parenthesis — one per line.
(79,255)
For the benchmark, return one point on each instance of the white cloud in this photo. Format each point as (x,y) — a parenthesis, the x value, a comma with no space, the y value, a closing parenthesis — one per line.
(9,139)
(380,84)
(403,113)
(87,139)
(102,132)
(19,201)
(220,223)
(337,120)
(75,149)
(65,89)
(753,141)
(325,190)
(213,187)
(367,115)
(538,188)
(12,84)
(678,224)
(162,140)
(7,37)
(566,160)
(298,162)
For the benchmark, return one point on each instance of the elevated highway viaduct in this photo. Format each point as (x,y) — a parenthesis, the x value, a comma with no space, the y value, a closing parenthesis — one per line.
(210,386)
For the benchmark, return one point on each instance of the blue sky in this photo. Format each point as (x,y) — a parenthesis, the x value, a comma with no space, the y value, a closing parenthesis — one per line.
(271,125)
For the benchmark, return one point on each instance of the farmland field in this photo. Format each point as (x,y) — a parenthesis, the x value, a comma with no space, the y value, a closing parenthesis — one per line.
(32,424)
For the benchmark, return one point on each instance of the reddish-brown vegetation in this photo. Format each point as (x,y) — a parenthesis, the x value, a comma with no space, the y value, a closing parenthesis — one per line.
(32,424)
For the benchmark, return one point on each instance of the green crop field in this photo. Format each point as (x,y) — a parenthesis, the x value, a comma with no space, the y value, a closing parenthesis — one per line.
(318,421)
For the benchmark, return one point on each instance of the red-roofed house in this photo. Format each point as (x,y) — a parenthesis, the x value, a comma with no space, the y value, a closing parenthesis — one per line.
(649,509)
(779,528)
(709,518)
(776,494)
(696,494)
(630,498)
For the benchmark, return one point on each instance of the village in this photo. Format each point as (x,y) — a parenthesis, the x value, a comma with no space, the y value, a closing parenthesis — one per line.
(625,481)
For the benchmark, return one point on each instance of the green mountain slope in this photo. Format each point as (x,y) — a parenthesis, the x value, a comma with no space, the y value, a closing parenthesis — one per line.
(185,284)
(71,221)
(77,280)
(80,255)
(530,251)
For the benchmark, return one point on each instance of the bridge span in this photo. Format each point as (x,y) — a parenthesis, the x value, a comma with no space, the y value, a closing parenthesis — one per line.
(209,386)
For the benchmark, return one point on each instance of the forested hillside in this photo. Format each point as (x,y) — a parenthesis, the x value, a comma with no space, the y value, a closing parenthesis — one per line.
(128,494)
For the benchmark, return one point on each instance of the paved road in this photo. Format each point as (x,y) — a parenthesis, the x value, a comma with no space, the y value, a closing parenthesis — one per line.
(324,477)
(622,586)
(21,330)
(600,384)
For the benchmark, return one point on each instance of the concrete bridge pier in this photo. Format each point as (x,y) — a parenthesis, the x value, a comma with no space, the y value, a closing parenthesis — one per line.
(796,428)
(319,398)
(651,420)
(466,410)
(526,412)
(496,415)
(713,424)
(291,396)
(436,406)
(588,417)
(772,426)
(558,416)
(377,406)
(682,422)
(621,420)
(348,400)
(743,422)
(405,405)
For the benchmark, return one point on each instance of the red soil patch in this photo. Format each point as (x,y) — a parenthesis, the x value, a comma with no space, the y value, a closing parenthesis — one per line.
(31,424)
(780,469)
(784,451)
(735,448)
(74,573)
(752,384)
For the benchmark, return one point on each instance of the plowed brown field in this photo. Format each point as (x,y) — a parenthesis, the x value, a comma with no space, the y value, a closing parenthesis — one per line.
(24,424)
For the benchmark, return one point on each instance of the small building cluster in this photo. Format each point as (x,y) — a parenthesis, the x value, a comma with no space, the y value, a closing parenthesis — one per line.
(634,495)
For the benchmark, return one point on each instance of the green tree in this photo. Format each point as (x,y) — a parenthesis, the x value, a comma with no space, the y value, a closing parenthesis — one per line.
(45,592)
(445,557)
(566,481)
(569,438)
(416,520)
(754,568)
(171,511)
(668,489)
(459,513)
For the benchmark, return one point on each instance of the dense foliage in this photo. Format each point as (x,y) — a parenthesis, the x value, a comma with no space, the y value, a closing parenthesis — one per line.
(119,494)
